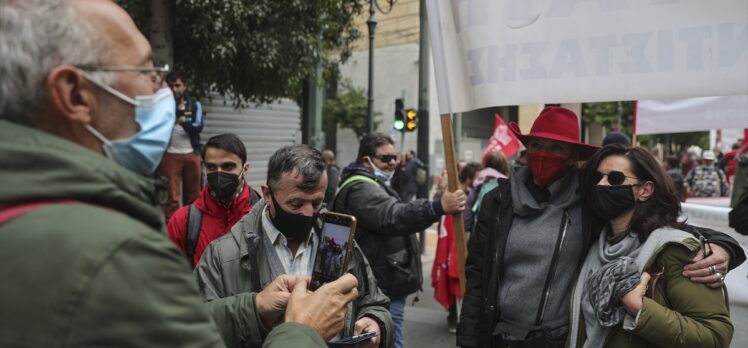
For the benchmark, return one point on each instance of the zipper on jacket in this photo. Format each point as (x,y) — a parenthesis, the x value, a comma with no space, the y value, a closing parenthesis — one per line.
(565,222)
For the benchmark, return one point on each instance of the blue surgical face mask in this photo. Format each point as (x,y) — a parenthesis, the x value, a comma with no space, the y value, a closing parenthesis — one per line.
(155,114)
(381,174)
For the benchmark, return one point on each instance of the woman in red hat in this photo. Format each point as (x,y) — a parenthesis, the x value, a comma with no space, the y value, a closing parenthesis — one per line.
(531,234)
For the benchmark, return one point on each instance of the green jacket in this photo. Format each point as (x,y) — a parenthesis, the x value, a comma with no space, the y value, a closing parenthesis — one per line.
(99,271)
(237,263)
(686,314)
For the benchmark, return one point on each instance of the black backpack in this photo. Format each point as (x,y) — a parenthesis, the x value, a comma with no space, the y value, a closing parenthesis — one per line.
(195,224)
(738,217)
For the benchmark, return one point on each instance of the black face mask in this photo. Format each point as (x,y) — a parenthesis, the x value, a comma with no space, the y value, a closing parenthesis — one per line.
(222,186)
(293,226)
(609,202)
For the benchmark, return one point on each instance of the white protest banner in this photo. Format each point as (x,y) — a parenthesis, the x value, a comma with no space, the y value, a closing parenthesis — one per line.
(490,52)
(691,114)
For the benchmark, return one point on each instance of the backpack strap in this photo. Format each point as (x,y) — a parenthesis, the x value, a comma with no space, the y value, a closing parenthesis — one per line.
(254,197)
(347,182)
(194,224)
(355,178)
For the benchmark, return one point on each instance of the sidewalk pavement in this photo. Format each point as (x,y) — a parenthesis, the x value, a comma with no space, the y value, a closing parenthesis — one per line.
(426,321)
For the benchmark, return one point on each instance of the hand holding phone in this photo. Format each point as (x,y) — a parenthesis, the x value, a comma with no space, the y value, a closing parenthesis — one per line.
(334,249)
(323,310)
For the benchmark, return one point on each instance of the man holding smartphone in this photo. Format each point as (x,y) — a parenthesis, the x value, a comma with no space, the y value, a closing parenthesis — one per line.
(281,235)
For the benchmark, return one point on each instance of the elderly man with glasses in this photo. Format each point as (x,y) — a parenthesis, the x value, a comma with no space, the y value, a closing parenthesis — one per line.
(85,258)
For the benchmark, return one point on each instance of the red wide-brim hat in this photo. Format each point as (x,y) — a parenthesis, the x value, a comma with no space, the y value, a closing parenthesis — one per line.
(556,123)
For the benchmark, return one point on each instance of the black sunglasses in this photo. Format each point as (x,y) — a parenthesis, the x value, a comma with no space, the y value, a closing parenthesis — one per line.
(386,158)
(615,177)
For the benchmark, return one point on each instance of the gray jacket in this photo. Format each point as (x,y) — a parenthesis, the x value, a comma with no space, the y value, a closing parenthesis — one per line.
(228,268)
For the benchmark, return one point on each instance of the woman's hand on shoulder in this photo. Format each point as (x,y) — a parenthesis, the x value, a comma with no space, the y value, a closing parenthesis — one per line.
(632,301)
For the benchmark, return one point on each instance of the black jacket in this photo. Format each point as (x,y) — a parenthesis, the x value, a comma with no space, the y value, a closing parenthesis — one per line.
(480,310)
(386,228)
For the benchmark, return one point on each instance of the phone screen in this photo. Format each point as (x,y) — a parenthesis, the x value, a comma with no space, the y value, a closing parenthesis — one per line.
(334,247)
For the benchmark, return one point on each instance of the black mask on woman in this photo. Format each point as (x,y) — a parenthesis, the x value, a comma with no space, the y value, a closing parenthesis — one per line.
(293,226)
(608,202)
(222,186)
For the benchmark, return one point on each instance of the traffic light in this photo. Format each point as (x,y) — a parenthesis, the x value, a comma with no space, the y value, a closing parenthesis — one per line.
(411,120)
(399,123)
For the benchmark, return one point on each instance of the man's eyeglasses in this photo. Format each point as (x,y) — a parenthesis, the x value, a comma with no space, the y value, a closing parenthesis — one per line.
(386,158)
(156,70)
(615,177)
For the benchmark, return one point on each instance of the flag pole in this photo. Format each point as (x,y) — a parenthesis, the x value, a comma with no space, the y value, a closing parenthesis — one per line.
(452,185)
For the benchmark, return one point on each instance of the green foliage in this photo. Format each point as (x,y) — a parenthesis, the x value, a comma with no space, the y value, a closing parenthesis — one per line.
(255,51)
(606,113)
(677,141)
(348,109)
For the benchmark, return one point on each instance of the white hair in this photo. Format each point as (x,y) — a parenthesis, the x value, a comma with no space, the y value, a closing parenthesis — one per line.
(35,37)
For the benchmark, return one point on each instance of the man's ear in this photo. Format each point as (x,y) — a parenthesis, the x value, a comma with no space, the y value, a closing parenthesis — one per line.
(366,162)
(266,195)
(70,95)
(645,191)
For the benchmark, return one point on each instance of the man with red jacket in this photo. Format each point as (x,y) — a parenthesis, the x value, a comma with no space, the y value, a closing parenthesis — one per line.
(221,203)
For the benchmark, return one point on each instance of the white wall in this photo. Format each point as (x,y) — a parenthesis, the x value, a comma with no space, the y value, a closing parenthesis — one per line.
(395,70)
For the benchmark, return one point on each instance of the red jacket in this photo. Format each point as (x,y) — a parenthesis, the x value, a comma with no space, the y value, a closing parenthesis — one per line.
(217,219)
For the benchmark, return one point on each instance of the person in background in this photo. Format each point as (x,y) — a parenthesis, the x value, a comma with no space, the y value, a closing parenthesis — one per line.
(387,225)
(631,291)
(495,167)
(706,180)
(281,235)
(740,182)
(181,164)
(616,137)
(670,165)
(333,176)
(728,161)
(409,180)
(222,202)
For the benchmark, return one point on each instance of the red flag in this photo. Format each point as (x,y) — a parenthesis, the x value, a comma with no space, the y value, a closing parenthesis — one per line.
(502,139)
(445,277)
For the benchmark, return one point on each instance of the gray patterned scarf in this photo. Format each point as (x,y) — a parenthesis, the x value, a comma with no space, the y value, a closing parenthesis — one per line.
(617,275)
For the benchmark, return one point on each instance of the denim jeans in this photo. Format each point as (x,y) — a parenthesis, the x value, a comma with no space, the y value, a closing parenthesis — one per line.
(397,307)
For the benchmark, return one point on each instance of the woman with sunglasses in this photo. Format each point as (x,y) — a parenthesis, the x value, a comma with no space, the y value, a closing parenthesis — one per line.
(631,291)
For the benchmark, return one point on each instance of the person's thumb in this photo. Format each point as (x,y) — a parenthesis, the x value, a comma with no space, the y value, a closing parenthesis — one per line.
(645,278)
(299,288)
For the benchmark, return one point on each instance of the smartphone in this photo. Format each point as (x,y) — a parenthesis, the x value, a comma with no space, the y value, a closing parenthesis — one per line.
(345,342)
(334,249)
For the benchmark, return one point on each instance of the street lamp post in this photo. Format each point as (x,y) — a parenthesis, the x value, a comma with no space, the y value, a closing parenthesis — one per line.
(372,24)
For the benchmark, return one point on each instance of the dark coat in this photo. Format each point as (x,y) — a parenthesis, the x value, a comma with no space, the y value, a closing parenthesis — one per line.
(480,310)
(237,263)
(386,226)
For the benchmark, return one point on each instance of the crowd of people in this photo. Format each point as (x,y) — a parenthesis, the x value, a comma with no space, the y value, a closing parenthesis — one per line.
(560,254)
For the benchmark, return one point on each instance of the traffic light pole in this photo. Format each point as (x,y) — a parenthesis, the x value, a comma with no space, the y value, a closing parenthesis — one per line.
(372,23)
(423,105)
